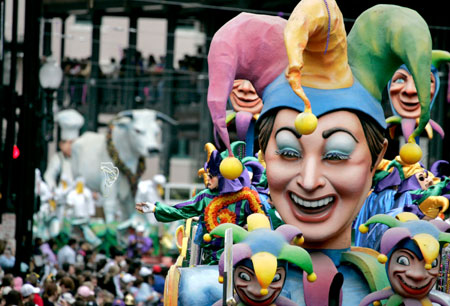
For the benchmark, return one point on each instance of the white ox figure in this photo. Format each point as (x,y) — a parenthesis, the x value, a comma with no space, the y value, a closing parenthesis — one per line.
(135,134)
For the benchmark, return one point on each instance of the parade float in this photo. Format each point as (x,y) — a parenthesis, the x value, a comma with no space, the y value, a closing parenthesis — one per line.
(321,138)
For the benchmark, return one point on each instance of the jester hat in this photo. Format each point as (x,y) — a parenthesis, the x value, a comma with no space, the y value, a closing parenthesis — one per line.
(250,47)
(264,247)
(329,71)
(406,226)
(408,124)
(215,158)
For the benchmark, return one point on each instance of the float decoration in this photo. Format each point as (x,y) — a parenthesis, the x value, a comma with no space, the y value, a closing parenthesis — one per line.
(233,56)
(404,246)
(263,251)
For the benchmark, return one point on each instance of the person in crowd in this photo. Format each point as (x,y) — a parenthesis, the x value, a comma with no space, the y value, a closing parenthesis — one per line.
(50,295)
(84,293)
(7,284)
(18,282)
(126,282)
(33,280)
(158,279)
(66,299)
(66,284)
(48,249)
(138,244)
(146,294)
(117,258)
(67,254)
(7,259)
(111,280)
(13,298)
(28,292)
(105,298)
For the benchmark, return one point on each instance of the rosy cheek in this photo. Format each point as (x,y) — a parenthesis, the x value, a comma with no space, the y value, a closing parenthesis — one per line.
(354,182)
(433,272)
(277,286)
(395,89)
(278,174)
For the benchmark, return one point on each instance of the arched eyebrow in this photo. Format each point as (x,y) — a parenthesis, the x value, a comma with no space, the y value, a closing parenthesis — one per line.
(412,255)
(329,132)
(290,129)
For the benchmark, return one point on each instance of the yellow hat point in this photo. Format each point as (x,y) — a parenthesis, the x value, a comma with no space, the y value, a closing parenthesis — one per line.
(256,221)
(207,238)
(305,123)
(311,277)
(264,291)
(299,240)
(230,168)
(406,216)
(427,266)
(363,228)
(376,303)
(382,258)
(221,279)
(411,153)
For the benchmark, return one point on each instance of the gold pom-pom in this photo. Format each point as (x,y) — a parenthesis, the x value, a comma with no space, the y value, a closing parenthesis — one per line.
(305,123)
(376,303)
(230,168)
(311,277)
(221,279)
(410,153)
(382,258)
(427,266)
(207,237)
(363,228)
(299,240)
(264,291)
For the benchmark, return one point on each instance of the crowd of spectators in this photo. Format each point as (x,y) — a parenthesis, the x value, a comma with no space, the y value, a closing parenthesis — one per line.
(77,275)
(143,76)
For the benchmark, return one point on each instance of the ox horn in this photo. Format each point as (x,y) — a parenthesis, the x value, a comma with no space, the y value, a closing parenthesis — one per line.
(164,117)
(126,113)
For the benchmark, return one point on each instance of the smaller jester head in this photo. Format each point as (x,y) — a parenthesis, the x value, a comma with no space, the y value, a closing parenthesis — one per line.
(213,176)
(404,99)
(259,258)
(411,250)
(210,170)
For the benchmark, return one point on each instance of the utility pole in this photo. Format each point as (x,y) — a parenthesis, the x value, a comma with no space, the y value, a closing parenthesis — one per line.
(29,123)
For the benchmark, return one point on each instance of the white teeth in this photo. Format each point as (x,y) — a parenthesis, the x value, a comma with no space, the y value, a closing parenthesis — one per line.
(313,204)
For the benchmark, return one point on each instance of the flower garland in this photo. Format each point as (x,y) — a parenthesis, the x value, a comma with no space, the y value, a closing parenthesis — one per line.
(217,212)
(133,179)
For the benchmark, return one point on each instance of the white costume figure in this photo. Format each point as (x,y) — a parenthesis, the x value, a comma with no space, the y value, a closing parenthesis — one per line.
(151,191)
(80,202)
(80,207)
(70,122)
(46,224)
